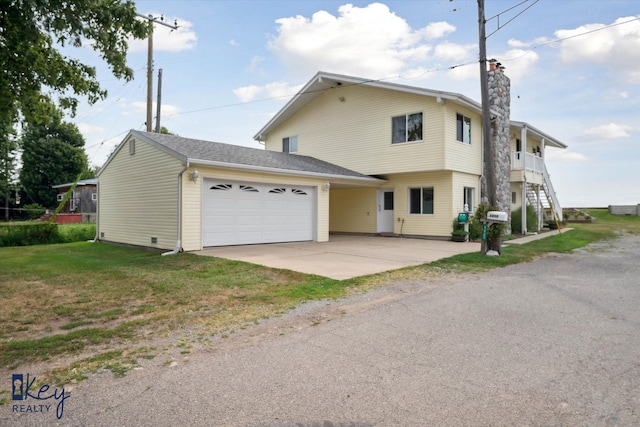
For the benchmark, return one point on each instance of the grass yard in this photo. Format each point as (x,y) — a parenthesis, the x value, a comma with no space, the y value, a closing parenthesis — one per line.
(79,307)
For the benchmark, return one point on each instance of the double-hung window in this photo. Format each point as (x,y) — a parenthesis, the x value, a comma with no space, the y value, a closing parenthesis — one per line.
(421,201)
(406,128)
(469,198)
(290,144)
(463,128)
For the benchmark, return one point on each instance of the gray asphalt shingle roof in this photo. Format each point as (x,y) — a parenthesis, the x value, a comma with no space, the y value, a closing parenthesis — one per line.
(199,150)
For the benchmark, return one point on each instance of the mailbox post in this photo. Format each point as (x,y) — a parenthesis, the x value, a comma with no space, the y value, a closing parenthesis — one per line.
(493,217)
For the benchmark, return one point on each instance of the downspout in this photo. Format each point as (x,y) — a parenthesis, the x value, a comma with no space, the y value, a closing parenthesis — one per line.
(179,241)
(95,239)
(523,223)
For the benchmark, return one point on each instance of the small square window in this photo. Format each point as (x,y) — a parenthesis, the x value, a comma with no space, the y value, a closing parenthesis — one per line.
(94,196)
(406,128)
(421,201)
(290,144)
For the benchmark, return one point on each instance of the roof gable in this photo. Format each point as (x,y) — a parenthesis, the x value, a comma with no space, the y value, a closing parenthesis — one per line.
(323,81)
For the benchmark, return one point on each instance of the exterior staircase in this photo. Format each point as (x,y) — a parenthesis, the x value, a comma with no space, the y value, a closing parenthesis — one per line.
(546,197)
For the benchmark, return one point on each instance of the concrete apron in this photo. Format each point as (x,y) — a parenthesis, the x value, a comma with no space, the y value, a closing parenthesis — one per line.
(344,257)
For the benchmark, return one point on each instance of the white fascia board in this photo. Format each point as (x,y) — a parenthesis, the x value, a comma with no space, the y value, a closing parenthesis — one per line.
(554,142)
(249,168)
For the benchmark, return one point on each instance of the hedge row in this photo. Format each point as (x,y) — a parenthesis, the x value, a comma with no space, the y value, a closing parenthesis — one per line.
(40,233)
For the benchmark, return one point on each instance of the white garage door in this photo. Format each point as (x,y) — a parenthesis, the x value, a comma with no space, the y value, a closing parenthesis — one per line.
(247,213)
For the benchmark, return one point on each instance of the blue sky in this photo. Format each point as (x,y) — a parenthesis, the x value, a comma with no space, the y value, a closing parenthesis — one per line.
(233,64)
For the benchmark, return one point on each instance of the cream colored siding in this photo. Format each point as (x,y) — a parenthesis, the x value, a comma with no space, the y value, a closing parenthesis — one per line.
(356,133)
(460,181)
(191,211)
(192,200)
(353,210)
(138,197)
(463,157)
(438,224)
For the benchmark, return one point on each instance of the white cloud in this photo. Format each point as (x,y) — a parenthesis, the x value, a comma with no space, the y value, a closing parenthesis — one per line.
(448,51)
(617,47)
(371,41)
(248,93)
(87,129)
(565,156)
(271,90)
(254,65)
(168,40)
(166,110)
(437,30)
(609,131)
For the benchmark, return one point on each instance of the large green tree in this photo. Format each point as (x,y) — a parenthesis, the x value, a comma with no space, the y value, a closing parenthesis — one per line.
(33,72)
(8,154)
(52,153)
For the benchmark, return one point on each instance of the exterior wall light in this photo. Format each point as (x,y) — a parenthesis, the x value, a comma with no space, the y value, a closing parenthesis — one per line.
(194,175)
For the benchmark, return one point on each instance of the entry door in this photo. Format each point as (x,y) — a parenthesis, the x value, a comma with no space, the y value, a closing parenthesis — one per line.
(385,211)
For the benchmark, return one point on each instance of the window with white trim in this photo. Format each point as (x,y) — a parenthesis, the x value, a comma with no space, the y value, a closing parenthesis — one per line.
(290,144)
(470,198)
(421,201)
(406,128)
(463,128)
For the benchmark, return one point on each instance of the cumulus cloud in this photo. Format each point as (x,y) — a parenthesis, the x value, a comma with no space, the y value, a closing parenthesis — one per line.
(87,129)
(271,90)
(166,110)
(617,47)
(565,156)
(168,40)
(609,131)
(369,41)
(448,51)
(437,30)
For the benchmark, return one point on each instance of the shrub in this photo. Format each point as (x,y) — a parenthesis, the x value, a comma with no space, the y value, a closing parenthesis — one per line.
(33,211)
(77,232)
(516,220)
(475,226)
(26,234)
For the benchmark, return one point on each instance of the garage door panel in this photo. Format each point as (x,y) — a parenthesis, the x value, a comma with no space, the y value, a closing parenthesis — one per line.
(250,213)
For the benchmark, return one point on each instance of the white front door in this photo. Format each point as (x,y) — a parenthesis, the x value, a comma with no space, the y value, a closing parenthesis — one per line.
(385,211)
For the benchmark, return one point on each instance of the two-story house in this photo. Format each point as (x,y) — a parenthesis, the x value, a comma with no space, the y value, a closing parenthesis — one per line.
(426,145)
(345,155)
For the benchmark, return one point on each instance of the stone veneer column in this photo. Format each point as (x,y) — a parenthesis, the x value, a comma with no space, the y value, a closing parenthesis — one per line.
(500,102)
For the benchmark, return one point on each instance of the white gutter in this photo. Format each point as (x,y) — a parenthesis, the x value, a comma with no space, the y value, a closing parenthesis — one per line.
(95,239)
(523,203)
(238,166)
(178,247)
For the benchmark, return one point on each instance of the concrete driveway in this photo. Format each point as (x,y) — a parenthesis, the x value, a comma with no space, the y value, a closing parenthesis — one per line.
(344,256)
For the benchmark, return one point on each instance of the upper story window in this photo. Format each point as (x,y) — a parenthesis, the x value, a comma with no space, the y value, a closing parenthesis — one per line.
(406,128)
(463,128)
(290,144)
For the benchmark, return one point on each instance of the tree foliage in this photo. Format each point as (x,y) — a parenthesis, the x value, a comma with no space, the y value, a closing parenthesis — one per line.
(52,153)
(33,70)
(8,154)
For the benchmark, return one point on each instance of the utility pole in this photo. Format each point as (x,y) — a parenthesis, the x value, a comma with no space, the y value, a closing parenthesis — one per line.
(152,21)
(159,102)
(489,183)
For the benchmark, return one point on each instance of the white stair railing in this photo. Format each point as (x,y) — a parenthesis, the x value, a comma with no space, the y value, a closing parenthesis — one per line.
(551,194)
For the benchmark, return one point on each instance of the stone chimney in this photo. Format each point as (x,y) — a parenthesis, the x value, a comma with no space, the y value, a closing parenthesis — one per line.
(500,104)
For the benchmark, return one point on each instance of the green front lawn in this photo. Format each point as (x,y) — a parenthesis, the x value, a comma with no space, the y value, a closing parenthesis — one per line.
(77,299)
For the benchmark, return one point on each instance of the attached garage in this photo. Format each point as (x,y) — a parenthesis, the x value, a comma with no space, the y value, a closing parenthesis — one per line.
(175,193)
(242,213)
